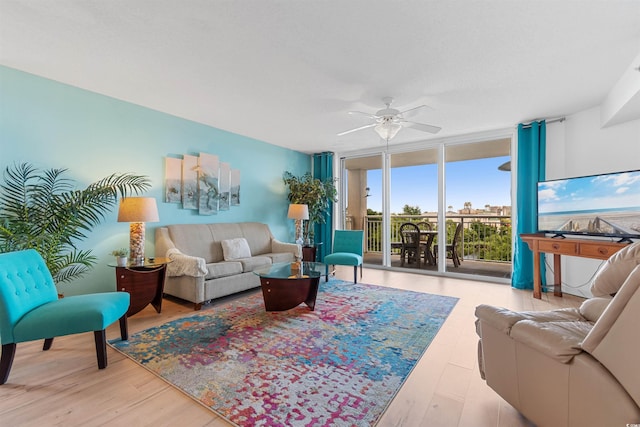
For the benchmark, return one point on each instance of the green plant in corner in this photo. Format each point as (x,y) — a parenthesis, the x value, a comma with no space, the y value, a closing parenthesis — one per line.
(42,210)
(314,193)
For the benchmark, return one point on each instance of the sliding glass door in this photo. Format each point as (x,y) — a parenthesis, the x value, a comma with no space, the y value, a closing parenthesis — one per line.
(458,195)
(478,211)
(363,194)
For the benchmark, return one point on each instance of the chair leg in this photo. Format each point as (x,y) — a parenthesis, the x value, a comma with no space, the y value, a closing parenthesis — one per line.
(101,348)
(47,344)
(124,330)
(361,271)
(355,274)
(326,273)
(8,352)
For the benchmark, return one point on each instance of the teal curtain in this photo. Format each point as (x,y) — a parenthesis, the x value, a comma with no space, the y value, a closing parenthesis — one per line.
(323,170)
(530,170)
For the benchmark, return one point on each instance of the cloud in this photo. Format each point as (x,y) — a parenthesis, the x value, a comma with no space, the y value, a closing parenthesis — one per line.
(548,194)
(618,180)
(622,190)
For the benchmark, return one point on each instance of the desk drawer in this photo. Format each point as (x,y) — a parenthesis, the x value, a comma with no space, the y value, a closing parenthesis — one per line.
(600,251)
(558,247)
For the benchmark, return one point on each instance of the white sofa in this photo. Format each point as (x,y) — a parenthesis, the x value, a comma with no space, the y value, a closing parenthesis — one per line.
(208,260)
(572,366)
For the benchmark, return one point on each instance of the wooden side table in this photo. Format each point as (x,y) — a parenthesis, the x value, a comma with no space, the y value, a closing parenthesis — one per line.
(145,283)
(309,253)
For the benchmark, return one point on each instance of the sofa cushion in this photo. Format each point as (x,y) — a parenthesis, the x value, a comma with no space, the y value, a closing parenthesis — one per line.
(237,248)
(258,235)
(615,270)
(250,264)
(194,240)
(592,308)
(223,269)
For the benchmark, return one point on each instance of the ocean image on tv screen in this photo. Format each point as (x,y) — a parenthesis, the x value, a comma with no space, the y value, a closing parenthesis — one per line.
(596,205)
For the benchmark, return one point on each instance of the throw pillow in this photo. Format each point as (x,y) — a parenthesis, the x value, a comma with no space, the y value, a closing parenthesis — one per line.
(235,249)
(615,270)
(592,308)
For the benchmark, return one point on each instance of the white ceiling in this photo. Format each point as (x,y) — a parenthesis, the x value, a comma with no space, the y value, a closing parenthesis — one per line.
(288,71)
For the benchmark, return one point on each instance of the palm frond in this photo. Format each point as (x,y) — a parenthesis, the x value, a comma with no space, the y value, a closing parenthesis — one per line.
(43,210)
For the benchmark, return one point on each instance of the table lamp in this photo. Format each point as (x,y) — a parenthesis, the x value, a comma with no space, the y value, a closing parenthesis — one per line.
(136,211)
(298,213)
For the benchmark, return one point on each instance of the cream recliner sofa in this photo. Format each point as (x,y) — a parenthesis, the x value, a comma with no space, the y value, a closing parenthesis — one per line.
(571,366)
(207,262)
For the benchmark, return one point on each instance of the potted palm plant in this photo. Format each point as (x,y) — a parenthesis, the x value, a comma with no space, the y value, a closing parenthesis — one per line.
(314,193)
(42,210)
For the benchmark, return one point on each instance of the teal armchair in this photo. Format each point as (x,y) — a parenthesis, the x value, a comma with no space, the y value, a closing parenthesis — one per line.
(347,250)
(30,309)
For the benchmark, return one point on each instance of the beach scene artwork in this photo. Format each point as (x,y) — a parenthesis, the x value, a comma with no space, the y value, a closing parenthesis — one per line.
(202,183)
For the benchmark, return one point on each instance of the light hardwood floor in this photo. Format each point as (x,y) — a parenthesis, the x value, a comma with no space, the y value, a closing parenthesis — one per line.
(63,386)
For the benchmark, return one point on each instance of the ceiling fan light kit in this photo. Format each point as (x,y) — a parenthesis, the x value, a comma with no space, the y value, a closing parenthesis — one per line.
(387,129)
(389,121)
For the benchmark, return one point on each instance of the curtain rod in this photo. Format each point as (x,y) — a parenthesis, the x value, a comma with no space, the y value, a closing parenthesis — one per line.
(557,119)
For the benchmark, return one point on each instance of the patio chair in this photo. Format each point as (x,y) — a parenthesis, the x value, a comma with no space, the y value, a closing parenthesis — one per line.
(412,247)
(30,309)
(347,250)
(427,239)
(452,248)
(424,225)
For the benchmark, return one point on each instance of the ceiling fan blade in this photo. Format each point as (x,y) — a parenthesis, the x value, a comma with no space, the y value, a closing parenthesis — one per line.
(414,110)
(371,116)
(357,129)
(421,126)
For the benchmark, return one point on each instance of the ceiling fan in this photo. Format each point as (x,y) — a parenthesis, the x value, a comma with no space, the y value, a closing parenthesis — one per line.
(388,121)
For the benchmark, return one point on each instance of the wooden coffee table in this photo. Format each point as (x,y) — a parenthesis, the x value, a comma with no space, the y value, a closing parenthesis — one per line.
(287,285)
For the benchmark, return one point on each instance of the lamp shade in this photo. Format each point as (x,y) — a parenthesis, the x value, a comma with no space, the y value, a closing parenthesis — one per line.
(138,209)
(297,211)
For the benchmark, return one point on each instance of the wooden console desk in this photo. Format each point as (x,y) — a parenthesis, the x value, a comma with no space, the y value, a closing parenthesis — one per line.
(539,243)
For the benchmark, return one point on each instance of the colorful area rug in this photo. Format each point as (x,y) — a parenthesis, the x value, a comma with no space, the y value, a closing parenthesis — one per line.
(340,365)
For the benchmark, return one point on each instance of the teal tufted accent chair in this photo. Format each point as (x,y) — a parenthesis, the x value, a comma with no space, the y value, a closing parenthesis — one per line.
(347,250)
(30,309)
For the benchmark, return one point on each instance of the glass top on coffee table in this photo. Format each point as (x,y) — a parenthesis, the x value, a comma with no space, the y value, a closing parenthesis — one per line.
(291,270)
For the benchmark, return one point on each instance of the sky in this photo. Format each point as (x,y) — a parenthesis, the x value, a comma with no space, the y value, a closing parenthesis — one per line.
(476,181)
(618,190)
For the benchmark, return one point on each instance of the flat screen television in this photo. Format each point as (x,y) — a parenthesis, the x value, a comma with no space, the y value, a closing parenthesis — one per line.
(595,205)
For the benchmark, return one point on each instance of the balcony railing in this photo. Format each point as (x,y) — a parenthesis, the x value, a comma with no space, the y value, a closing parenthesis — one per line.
(484,237)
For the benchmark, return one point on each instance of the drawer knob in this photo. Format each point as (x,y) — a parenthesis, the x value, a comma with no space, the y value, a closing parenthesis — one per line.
(555,246)
(603,251)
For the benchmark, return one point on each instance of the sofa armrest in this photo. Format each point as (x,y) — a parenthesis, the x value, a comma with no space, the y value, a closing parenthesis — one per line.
(499,318)
(185,265)
(279,247)
(557,340)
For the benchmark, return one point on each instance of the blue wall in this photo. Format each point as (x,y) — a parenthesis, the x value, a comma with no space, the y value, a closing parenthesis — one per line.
(53,125)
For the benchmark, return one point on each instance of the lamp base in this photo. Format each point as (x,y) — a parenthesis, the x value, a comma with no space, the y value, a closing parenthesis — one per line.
(299,239)
(136,243)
